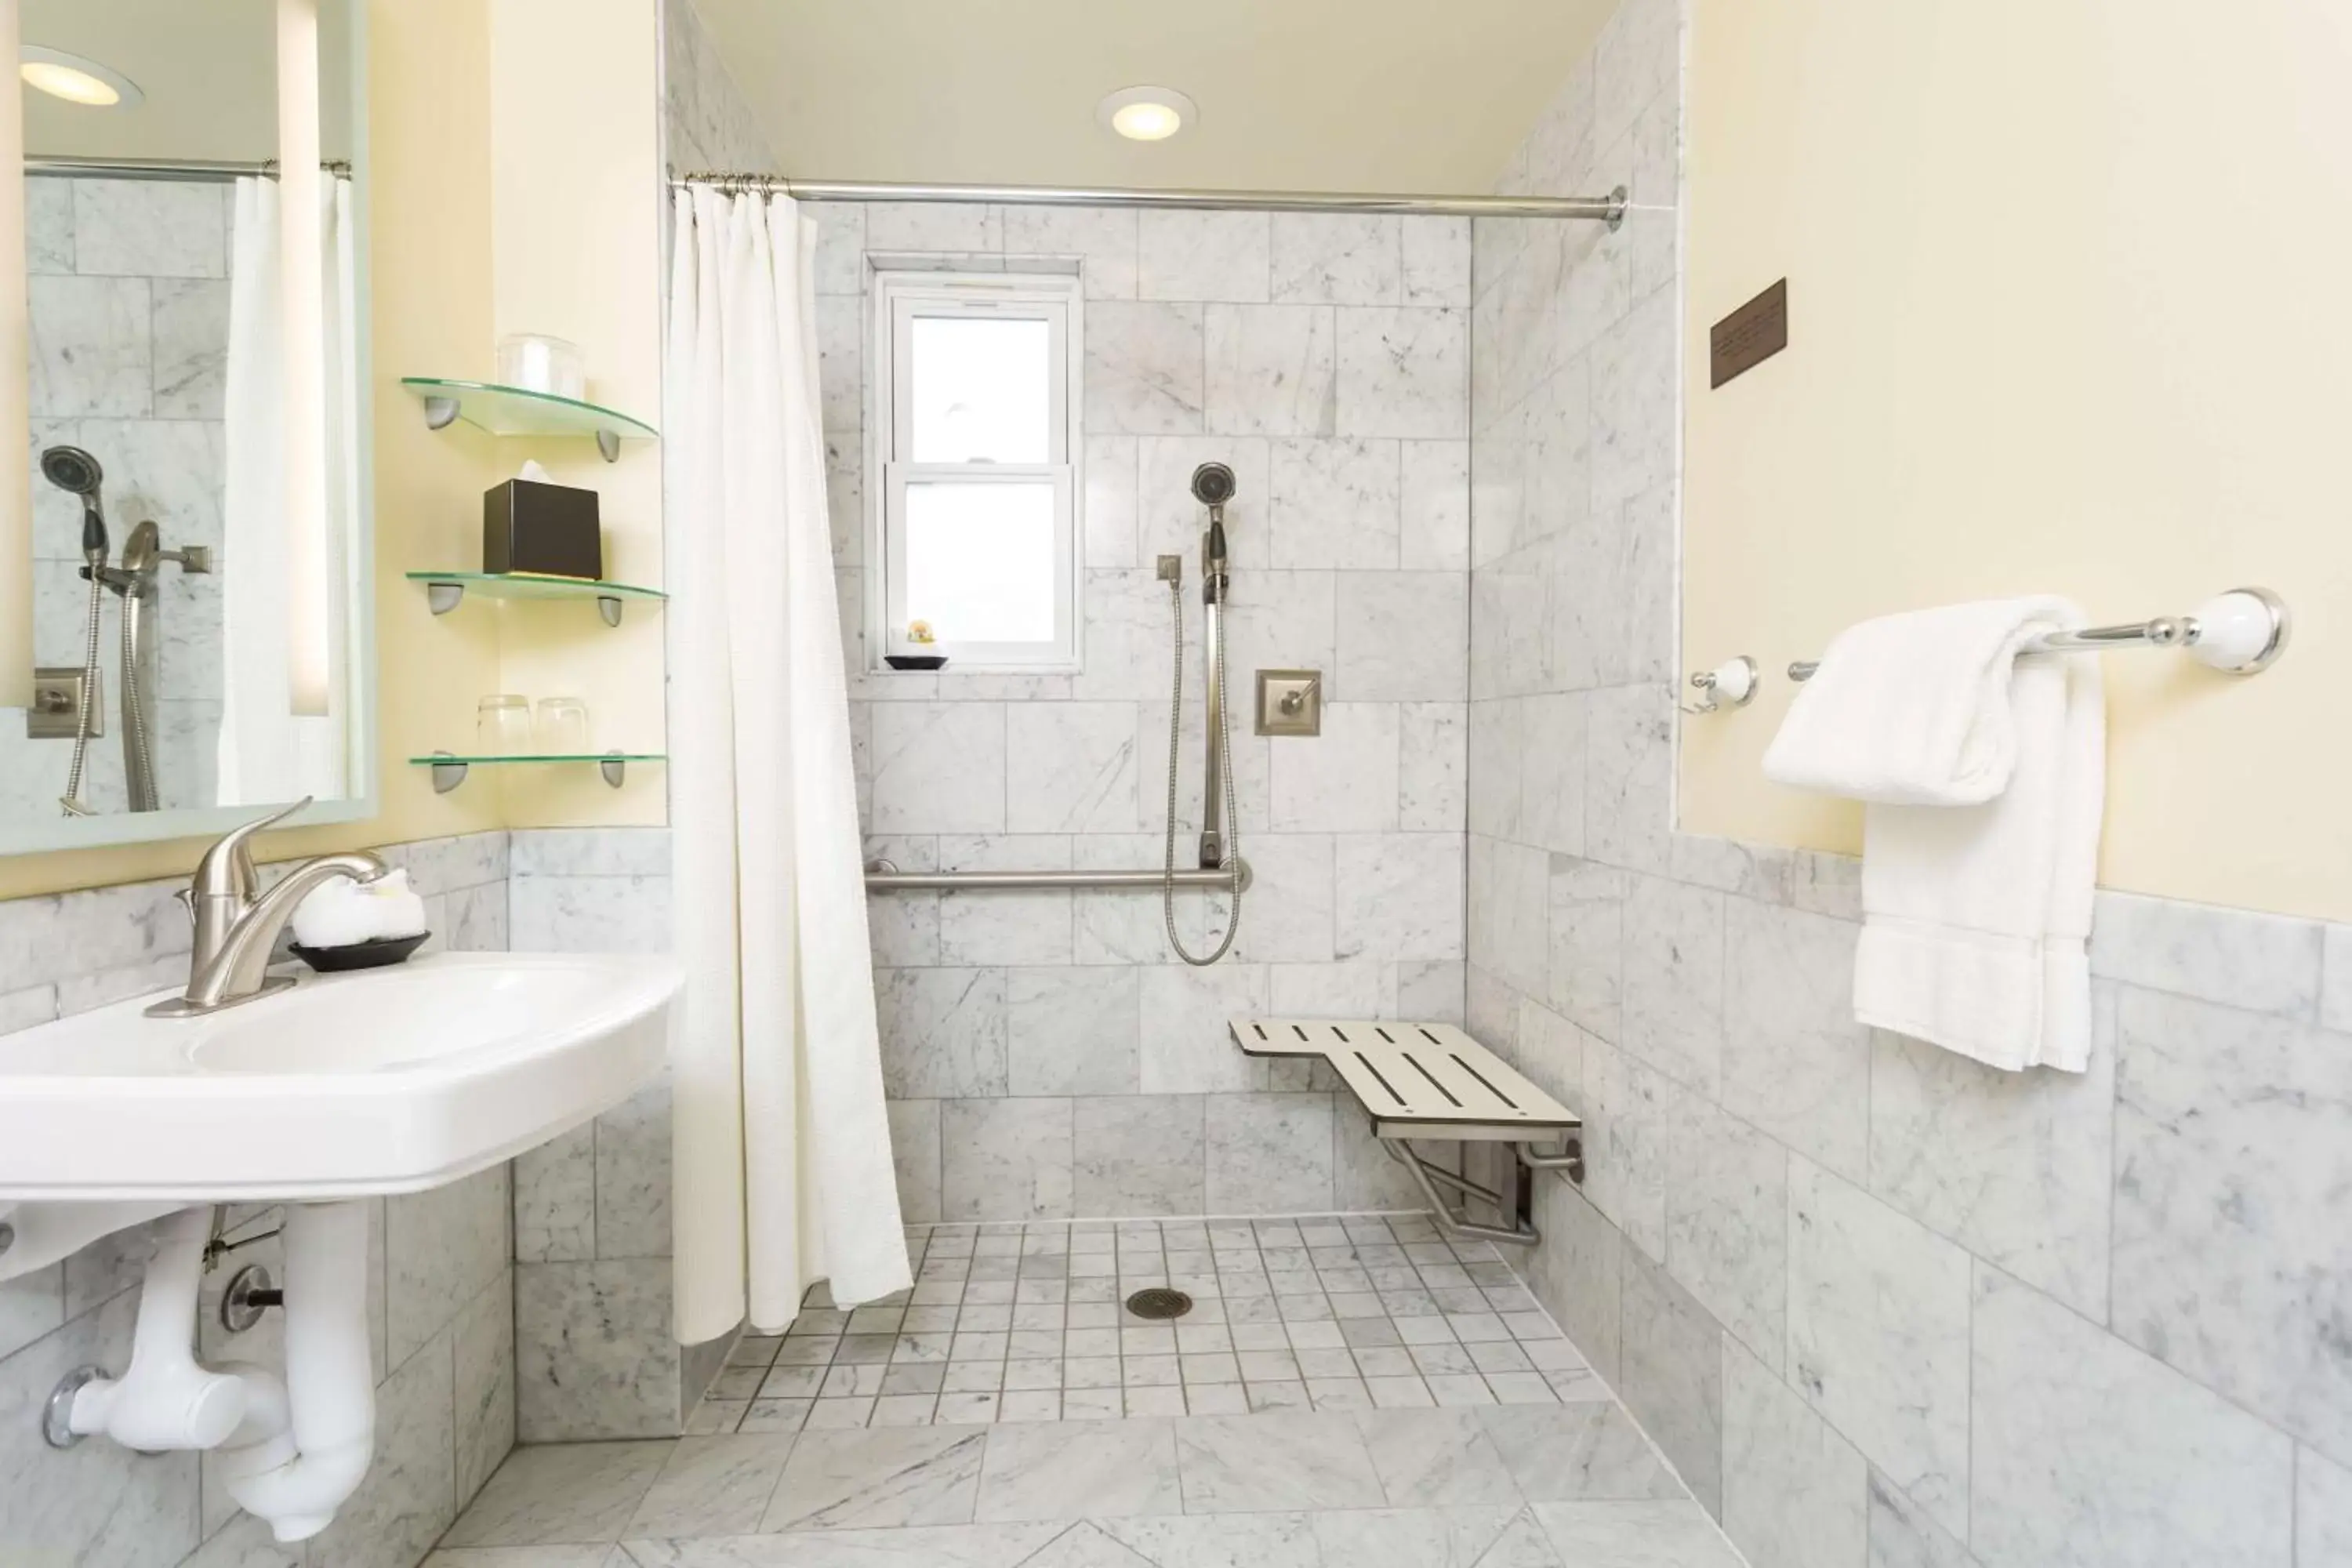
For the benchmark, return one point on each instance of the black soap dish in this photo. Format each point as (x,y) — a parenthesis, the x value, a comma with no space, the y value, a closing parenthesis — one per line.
(915,661)
(374,954)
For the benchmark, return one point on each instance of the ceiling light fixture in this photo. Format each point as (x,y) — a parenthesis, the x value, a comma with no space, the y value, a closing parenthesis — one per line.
(1146,114)
(76,78)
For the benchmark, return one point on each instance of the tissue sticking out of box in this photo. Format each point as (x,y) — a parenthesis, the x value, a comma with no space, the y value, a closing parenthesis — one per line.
(341,913)
(532,470)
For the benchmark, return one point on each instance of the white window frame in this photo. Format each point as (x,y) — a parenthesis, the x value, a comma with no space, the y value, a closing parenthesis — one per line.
(897,298)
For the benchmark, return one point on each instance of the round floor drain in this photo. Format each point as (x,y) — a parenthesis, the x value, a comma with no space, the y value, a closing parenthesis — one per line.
(1159,1303)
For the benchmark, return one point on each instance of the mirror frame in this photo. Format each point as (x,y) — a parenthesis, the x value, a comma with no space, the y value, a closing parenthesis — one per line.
(47,835)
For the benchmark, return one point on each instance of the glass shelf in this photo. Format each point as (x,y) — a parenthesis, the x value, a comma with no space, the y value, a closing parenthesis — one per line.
(449,768)
(514,411)
(443,591)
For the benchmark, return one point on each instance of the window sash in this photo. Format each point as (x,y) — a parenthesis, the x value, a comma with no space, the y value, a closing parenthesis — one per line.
(900,298)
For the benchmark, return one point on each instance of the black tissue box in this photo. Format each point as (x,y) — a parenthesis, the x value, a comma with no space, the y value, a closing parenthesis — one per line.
(549,531)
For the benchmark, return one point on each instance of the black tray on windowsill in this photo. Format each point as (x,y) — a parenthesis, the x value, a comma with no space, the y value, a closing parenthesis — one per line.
(915,661)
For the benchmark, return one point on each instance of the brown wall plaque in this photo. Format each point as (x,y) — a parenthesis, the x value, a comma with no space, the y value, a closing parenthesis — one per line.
(1749,335)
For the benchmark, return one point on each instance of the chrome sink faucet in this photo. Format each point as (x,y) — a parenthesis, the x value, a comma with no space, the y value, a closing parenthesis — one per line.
(235,927)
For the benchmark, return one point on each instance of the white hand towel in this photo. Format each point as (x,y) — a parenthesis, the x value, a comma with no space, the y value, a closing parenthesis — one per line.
(1984,774)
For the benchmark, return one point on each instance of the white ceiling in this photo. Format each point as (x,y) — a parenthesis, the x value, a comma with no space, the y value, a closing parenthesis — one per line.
(1329,95)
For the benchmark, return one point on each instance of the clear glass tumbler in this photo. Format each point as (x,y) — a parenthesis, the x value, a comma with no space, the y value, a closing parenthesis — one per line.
(562,727)
(503,726)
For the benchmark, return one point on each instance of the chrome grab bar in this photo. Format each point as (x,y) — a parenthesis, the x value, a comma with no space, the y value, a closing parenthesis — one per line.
(882,877)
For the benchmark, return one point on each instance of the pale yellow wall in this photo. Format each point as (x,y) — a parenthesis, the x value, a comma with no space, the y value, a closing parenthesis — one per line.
(576,166)
(2068,313)
(430,71)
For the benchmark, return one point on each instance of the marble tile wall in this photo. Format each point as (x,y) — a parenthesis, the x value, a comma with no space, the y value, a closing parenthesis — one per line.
(441,1289)
(1047,1054)
(128,295)
(1880,1305)
(708,124)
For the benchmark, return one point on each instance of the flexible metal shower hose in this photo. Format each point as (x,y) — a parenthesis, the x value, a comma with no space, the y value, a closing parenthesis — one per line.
(1224,743)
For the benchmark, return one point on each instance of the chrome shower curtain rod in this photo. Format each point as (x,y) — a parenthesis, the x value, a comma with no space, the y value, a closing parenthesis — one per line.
(163,168)
(1609,209)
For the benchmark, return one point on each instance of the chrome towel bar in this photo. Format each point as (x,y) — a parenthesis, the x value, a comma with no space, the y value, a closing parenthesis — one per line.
(2241,632)
(882,877)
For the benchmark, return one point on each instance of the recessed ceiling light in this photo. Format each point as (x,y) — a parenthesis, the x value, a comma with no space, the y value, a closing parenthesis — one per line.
(1146,114)
(76,78)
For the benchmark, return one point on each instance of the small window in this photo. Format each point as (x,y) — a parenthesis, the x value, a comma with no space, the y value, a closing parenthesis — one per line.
(975,521)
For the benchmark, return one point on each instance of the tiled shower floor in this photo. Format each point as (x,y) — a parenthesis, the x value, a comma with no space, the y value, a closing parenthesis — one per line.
(1015,1323)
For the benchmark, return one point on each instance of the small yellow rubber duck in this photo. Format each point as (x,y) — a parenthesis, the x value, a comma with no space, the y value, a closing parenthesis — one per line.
(919,634)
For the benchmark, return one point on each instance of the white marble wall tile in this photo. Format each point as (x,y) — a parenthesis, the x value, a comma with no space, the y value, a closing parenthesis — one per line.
(482,1353)
(172,471)
(1103,240)
(48,225)
(934,225)
(1432,766)
(1626,1151)
(1286,917)
(915,1157)
(709,124)
(149,228)
(1140,1154)
(1335,502)
(633,1172)
(1578,1273)
(2240,958)
(1587,935)
(1130,638)
(1670,1375)
(1551,772)
(1397,896)
(1551,1051)
(92,347)
(841,265)
(1070,767)
(191,351)
(589,914)
(555,1199)
(1360,988)
(2323,1512)
(1902,1536)
(1634,407)
(996,927)
(1795,1494)
(1340,258)
(1509,896)
(1110,502)
(1006,1158)
(1402,637)
(2336,988)
(1726,1223)
(2087,1452)
(1269,1154)
(1878,1336)
(409,1496)
(841,363)
(2017,1167)
(1344,780)
(1403,371)
(1436,260)
(903,929)
(2233,1152)
(1073,1031)
(1186,1049)
(1271,370)
(1637,56)
(943,1031)
(1510,649)
(1435,513)
(1672,996)
(579,852)
(1169,521)
(1364,1176)
(593,1353)
(1496,744)
(442,1245)
(1143,369)
(1794,1061)
(938,767)
(1629,769)
(1281,620)
(1216,256)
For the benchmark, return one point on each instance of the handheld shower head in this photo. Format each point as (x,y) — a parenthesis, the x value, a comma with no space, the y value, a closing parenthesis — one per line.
(76,472)
(1212,484)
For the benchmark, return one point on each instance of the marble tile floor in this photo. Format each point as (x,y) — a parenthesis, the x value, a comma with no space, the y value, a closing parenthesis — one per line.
(1561,1486)
(1027,1323)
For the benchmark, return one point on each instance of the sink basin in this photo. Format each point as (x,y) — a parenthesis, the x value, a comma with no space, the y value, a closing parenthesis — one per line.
(387,1080)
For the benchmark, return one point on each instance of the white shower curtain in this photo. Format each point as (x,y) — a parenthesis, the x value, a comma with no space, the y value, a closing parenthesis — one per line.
(266,752)
(782,1170)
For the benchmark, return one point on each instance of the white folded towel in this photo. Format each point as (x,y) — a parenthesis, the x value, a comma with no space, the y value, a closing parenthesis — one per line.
(1983,772)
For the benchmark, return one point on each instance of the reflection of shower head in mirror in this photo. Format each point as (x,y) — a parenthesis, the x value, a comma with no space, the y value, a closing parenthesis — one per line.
(76,472)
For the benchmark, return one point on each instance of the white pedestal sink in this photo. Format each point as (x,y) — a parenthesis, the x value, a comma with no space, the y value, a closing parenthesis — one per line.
(344,1087)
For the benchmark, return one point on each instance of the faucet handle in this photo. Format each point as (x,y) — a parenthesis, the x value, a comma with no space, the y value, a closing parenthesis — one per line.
(226,870)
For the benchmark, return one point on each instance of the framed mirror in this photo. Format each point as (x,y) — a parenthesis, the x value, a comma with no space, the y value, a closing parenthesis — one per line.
(194,565)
